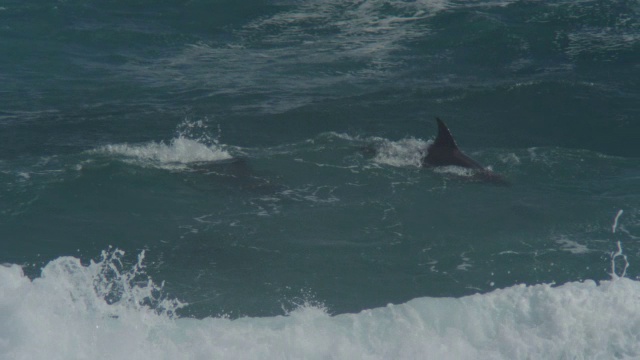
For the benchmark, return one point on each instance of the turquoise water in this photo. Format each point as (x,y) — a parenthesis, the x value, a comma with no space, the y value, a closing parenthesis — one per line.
(243,180)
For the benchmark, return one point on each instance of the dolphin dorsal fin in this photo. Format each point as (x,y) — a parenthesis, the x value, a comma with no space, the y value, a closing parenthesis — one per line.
(444,140)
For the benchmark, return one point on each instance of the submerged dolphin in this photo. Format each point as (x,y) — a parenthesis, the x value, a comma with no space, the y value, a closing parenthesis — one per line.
(444,152)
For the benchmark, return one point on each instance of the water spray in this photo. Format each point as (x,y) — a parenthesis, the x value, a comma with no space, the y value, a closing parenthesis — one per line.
(614,275)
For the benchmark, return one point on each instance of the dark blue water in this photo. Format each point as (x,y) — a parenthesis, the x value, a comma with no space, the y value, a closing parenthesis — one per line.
(265,155)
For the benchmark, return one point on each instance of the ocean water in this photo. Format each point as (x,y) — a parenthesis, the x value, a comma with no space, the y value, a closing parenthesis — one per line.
(241,179)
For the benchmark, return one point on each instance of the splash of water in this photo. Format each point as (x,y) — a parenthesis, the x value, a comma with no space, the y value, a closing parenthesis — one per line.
(193,144)
(619,253)
(614,227)
(131,288)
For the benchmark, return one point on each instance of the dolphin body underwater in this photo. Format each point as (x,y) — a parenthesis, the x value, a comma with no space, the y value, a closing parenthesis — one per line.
(445,152)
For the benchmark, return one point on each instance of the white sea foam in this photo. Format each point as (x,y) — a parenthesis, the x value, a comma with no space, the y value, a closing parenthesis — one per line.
(614,227)
(176,154)
(103,311)
(572,246)
(321,34)
(599,41)
(456,171)
(402,153)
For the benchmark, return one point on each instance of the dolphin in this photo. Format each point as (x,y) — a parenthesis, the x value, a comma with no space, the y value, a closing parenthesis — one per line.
(445,152)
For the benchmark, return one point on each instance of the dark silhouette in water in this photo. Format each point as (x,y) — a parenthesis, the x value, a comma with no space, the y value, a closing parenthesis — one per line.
(235,173)
(445,152)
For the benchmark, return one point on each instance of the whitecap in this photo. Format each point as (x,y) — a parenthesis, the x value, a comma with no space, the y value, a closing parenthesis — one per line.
(104,311)
(176,154)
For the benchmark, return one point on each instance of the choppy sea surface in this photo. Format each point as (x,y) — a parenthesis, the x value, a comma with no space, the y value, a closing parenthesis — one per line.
(242,179)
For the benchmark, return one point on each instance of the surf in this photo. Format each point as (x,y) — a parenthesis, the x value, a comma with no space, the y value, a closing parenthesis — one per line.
(80,311)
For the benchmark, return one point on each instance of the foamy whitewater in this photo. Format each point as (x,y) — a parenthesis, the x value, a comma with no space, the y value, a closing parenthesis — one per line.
(191,145)
(101,311)
(175,155)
